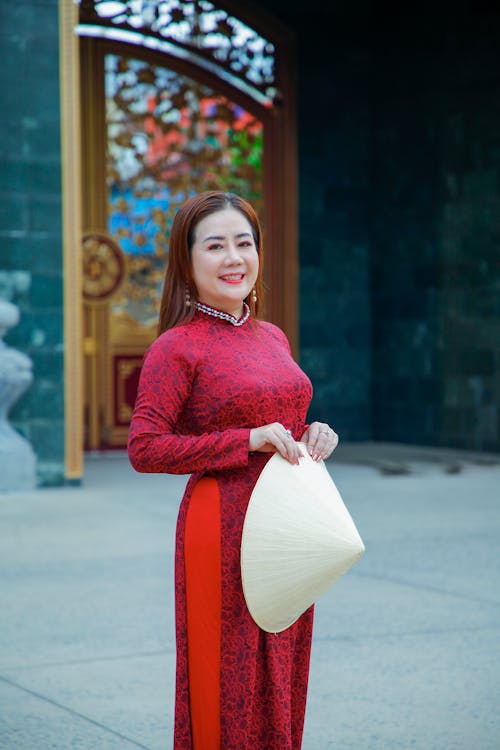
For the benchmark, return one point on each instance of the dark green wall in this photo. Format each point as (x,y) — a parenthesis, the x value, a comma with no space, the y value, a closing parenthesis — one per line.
(30,217)
(399,170)
(436,233)
(334,182)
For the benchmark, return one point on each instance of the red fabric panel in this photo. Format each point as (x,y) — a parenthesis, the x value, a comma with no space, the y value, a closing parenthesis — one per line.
(202,555)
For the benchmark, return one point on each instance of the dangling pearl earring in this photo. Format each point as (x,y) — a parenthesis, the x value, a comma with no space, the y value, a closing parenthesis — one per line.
(254,296)
(187,296)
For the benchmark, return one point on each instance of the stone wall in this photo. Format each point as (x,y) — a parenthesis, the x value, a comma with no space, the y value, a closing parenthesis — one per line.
(334,123)
(30,218)
(436,234)
(399,172)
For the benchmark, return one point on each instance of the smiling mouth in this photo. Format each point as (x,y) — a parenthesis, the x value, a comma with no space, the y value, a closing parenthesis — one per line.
(233,278)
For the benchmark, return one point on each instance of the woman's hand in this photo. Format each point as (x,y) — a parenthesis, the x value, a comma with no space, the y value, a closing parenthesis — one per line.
(320,440)
(273,438)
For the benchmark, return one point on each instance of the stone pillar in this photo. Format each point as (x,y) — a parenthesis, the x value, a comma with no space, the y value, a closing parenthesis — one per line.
(17,459)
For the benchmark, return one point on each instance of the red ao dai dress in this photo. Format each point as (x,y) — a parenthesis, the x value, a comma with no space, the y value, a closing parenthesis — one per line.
(203,386)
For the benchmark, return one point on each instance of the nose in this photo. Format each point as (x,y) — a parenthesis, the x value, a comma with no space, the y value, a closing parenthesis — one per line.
(232,254)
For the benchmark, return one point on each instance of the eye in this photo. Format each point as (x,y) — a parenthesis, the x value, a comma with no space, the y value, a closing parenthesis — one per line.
(245,243)
(214,246)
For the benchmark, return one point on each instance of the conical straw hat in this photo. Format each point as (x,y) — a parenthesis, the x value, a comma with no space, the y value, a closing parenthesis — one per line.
(298,539)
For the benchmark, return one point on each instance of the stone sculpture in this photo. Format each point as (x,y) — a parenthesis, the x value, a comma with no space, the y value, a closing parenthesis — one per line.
(17,459)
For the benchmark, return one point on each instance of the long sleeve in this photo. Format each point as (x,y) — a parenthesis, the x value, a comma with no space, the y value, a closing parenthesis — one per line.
(155,444)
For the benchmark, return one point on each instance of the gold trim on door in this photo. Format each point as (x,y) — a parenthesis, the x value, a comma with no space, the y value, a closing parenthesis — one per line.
(71,222)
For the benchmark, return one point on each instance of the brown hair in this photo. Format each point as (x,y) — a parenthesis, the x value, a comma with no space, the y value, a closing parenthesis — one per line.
(179,275)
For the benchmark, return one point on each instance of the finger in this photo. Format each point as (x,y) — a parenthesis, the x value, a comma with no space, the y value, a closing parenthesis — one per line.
(312,437)
(324,444)
(331,444)
(275,437)
(320,450)
(292,449)
(286,449)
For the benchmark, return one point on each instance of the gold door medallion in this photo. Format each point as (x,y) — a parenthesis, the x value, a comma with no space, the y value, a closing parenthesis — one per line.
(104,268)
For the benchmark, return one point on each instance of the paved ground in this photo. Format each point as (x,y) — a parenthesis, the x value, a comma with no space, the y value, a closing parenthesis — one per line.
(406,648)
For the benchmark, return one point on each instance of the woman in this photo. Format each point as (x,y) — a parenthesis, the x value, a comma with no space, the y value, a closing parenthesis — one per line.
(219,393)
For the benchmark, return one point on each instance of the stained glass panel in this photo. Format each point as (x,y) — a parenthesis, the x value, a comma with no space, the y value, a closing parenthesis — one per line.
(168,137)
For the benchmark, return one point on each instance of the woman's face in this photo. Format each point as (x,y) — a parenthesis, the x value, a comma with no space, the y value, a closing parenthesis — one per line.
(224,260)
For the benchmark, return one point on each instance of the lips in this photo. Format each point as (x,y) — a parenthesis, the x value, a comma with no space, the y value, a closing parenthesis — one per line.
(232,278)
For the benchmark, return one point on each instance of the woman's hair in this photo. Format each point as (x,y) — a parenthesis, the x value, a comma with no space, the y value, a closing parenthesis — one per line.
(179,274)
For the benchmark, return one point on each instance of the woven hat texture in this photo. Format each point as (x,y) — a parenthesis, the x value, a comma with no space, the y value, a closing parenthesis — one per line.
(298,539)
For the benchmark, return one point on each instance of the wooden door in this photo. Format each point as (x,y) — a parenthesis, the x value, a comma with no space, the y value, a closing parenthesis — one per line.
(155,130)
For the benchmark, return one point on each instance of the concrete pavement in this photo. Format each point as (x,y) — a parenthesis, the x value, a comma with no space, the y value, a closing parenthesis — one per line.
(406,646)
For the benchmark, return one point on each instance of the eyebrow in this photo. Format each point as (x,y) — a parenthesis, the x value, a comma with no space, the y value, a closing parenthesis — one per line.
(222,237)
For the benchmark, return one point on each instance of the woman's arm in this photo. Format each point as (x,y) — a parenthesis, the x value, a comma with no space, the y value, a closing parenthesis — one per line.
(164,387)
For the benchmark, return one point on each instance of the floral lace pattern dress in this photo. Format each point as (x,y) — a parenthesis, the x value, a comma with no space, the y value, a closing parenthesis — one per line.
(203,386)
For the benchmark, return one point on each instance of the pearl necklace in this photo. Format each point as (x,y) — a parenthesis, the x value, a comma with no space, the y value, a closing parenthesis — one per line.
(224,316)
